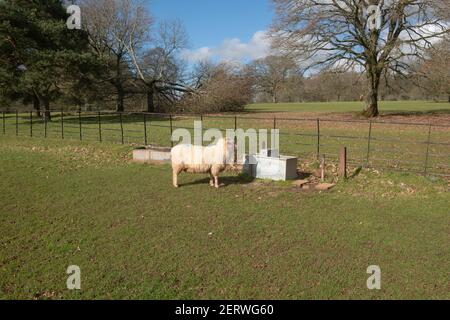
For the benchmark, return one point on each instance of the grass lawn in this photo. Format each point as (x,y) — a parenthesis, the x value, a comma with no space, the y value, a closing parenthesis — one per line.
(135,236)
(385,107)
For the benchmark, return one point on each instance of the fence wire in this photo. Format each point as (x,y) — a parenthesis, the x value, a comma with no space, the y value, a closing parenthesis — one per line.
(397,146)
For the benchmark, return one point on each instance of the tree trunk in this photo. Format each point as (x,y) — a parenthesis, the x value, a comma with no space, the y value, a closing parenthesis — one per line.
(118,84)
(47,113)
(371,105)
(372,95)
(150,101)
(37,106)
(449,98)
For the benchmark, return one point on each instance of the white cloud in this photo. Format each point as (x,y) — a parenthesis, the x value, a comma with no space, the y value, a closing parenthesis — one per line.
(233,49)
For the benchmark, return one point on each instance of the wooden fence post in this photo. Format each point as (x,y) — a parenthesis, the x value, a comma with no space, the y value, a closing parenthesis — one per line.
(62,123)
(322,168)
(235,158)
(201,129)
(343,163)
(171,129)
(428,149)
(145,129)
(79,125)
(318,139)
(100,126)
(17,122)
(369,140)
(45,123)
(4,123)
(121,127)
(31,123)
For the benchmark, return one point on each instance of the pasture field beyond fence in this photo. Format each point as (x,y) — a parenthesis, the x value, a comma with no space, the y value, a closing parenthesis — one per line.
(386,107)
(400,146)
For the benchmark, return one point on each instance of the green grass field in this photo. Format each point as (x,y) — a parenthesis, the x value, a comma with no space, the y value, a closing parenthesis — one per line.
(336,107)
(66,202)
(135,236)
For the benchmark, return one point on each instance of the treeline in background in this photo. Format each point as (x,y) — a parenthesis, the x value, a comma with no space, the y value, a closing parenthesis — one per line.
(125,59)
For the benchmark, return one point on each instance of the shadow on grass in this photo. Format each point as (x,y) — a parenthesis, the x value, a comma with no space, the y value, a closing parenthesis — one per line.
(301,175)
(224,181)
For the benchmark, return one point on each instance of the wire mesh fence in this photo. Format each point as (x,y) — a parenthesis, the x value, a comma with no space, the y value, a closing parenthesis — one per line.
(399,146)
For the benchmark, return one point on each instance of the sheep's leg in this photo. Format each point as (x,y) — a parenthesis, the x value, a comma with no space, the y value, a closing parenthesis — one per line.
(176,171)
(175,179)
(216,182)
(211,179)
(215,170)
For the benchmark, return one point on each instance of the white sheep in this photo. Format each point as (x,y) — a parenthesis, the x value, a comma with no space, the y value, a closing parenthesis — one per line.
(212,159)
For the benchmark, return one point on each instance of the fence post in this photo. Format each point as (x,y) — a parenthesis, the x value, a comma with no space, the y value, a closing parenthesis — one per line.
(45,123)
(31,123)
(318,139)
(100,126)
(343,163)
(121,127)
(4,123)
(322,168)
(369,140)
(274,123)
(62,123)
(17,122)
(171,130)
(145,129)
(201,129)
(79,125)
(235,141)
(428,149)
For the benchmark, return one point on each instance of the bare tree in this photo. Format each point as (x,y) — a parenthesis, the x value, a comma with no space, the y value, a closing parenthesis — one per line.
(336,82)
(158,68)
(272,74)
(370,35)
(111,25)
(434,72)
(219,87)
(202,72)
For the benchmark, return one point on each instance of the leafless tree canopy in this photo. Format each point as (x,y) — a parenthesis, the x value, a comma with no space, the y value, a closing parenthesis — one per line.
(220,87)
(344,33)
(433,73)
(112,26)
(272,74)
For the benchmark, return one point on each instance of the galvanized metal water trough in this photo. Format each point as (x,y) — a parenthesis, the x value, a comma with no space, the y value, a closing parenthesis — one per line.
(268,164)
(151,154)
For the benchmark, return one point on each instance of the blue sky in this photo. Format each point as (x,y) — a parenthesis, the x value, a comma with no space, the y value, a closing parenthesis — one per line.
(220,29)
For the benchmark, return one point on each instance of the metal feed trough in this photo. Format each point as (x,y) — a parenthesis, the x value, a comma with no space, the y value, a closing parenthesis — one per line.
(151,154)
(268,164)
